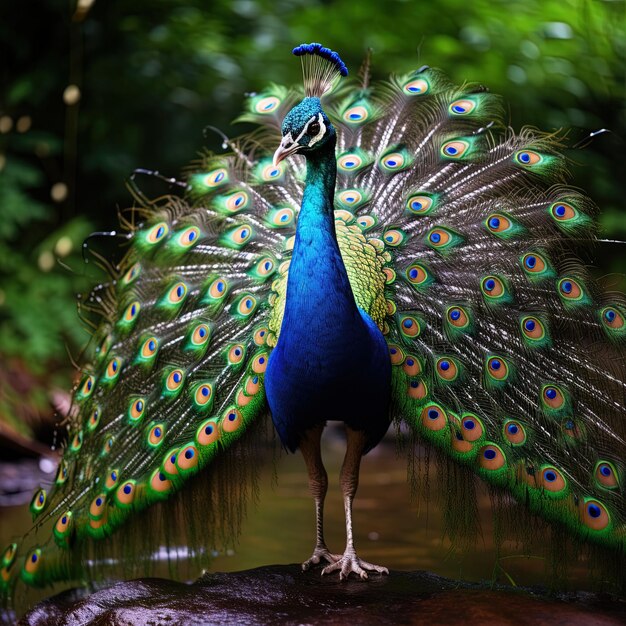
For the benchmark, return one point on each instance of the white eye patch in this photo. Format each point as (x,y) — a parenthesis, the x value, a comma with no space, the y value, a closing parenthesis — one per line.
(322,132)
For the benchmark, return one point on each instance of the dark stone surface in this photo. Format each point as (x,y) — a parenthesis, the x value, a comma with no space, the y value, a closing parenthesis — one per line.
(283,594)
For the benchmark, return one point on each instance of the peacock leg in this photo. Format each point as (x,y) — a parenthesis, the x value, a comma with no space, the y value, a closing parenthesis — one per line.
(349,479)
(310,446)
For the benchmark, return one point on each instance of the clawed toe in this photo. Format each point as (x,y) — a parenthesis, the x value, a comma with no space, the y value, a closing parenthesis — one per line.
(350,563)
(319,555)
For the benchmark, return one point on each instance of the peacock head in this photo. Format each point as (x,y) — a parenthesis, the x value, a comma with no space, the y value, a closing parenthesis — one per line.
(306,129)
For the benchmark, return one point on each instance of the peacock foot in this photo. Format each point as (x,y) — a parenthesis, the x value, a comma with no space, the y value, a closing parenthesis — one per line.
(321,553)
(350,563)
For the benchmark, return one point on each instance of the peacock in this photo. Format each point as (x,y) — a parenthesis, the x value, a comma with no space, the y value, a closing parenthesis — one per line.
(417,266)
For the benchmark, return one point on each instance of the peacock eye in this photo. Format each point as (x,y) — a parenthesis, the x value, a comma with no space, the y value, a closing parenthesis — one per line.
(314,128)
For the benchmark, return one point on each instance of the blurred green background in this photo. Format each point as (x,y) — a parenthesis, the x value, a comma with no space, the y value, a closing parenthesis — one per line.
(91,90)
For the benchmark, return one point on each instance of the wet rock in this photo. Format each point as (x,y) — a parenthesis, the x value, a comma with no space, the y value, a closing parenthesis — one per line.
(283,594)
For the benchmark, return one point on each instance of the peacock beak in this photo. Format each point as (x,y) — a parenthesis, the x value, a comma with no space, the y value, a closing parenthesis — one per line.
(287,147)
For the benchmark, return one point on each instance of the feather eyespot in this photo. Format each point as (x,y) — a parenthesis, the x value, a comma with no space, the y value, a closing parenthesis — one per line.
(203,395)
(533,263)
(281,218)
(216,177)
(455,149)
(8,557)
(498,223)
(472,428)
(32,562)
(125,493)
(132,310)
(457,316)
(156,435)
(552,480)
(570,289)
(237,201)
(188,458)
(107,446)
(93,420)
(417,389)
(231,420)
(87,387)
(438,237)
(111,479)
(241,235)
(606,475)
(113,369)
(177,293)
(393,161)
(528,157)
(420,204)
(447,369)
(266,105)
(236,354)
(38,502)
(174,380)
(491,458)
(136,409)
(594,514)
(416,87)
(259,363)
(492,287)
(97,506)
(189,237)
(434,417)
(246,306)
(169,463)
(563,212)
(355,115)
(394,238)
(464,106)
(417,274)
(207,433)
(265,267)
(131,274)
(218,289)
(366,221)
(157,233)
(272,172)
(553,397)
(260,336)
(77,442)
(160,483)
(497,368)
(349,162)
(412,366)
(410,326)
(612,318)
(200,335)
(252,385)
(533,328)
(63,527)
(514,432)
(350,197)
(149,348)
(62,473)
(396,355)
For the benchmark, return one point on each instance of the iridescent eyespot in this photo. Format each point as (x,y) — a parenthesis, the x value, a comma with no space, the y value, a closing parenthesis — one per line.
(131,274)
(237,201)
(433,417)
(218,289)
(132,310)
(189,237)
(149,348)
(491,458)
(97,506)
(533,328)
(156,435)
(355,115)
(111,479)
(464,106)
(396,355)
(188,458)
(174,380)
(32,562)
(169,462)
(350,198)
(62,473)
(266,105)
(136,409)
(113,369)
(553,397)
(86,387)
(447,369)
(497,368)
(216,177)
(570,289)
(77,442)
(417,274)
(606,475)
(533,263)
(63,527)
(282,217)
(438,237)
(200,335)
(498,223)
(394,161)
(236,354)
(514,432)
(350,162)
(265,267)
(93,420)
(457,316)
(562,211)
(594,514)
(246,306)
(207,433)
(409,326)
(160,483)
(454,149)
(394,237)
(416,87)
(107,446)
(241,235)
(252,385)
(527,157)
(366,221)
(612,318)
(419,204)
(177,293)
(231,420)
(472,428)
(260,336)
(203,395)
(492,287)
(552,480)
(417,389)
(157,232)
(412,365)
(125,493)
(272,172)
(38,502)
(390,275)
(259,363)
